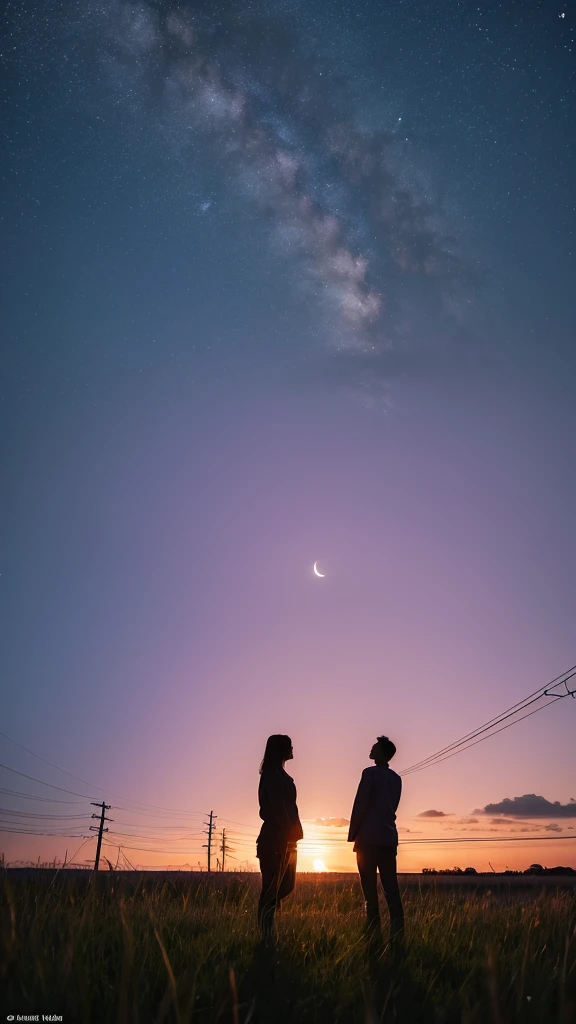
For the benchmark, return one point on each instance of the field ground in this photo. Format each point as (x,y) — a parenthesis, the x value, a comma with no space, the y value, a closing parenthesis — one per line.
(143,947)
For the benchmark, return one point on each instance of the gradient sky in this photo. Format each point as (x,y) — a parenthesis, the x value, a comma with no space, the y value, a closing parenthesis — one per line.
(286,282)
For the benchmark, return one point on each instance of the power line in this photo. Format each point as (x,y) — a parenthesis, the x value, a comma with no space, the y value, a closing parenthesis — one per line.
(81,847)
(40,758)
(161,813)
(128,862)
(229,821)
(78,779)
(133,824)
(26,814)
(470,739)
(121,851)
(178,853)
(41,783)
(481,740)
(159,839)
(41,799)
(52,786)
(509,712)
(26,832)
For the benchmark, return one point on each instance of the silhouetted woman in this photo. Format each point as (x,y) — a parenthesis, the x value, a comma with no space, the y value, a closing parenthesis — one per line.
(281,830)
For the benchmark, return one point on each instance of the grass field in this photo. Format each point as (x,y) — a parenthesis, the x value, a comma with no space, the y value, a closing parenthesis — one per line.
(184,948)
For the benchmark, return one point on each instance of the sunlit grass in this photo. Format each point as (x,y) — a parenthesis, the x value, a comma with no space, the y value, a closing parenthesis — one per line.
(186,949)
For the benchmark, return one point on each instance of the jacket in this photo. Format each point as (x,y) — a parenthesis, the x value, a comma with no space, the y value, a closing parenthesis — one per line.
(373,818)
(278,809)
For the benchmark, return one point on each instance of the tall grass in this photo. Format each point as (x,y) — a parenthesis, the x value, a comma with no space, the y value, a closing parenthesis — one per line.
(145,949)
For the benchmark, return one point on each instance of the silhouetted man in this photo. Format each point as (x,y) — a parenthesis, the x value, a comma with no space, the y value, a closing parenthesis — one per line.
(373,832)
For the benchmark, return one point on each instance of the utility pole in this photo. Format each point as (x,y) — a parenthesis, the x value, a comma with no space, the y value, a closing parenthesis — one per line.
(209,831)
(100,829)
(225,849)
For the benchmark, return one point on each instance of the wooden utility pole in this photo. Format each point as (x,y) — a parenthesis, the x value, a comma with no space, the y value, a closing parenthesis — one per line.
(209,831)
(100,829)
(226,850)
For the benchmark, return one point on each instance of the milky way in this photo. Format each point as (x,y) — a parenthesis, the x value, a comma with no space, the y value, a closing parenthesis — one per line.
(347,207)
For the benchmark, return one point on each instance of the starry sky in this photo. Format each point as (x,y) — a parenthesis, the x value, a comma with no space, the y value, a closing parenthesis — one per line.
(286,282)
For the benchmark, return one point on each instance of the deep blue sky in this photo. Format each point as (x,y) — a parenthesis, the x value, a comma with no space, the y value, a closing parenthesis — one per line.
(285,282)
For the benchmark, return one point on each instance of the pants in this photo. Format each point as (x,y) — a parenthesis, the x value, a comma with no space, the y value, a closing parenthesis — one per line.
(371,859)
(278,867)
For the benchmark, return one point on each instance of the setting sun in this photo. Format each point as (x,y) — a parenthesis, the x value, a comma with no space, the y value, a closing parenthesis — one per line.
(319,865)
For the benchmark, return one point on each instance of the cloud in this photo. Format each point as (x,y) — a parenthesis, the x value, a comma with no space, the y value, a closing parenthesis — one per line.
(434,814)
(334,822)
(532,806)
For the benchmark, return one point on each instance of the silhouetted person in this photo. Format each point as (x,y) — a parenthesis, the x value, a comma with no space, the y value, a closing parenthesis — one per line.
(373,832)
(281,830)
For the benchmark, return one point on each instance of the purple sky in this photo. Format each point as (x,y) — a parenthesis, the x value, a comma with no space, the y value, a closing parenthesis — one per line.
(177,621)
(267,305)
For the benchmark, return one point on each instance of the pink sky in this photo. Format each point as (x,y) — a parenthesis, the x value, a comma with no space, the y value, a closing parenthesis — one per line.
(177,621)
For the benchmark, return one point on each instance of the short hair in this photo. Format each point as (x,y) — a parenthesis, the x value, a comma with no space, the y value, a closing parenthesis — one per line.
(386,746)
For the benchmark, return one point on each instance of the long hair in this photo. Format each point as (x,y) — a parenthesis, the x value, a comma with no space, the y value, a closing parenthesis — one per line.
(276,753)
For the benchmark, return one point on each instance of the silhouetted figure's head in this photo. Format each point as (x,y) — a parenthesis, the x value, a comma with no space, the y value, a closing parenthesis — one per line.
(278,750)
(383,750)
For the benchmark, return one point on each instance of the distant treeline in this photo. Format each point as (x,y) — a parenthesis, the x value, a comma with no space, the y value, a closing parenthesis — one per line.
(534,869)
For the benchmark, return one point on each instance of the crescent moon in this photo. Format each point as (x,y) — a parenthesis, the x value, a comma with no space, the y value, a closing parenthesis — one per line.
(322,574)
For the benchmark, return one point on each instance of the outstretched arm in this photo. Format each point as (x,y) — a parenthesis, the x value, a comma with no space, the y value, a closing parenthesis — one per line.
(360,806)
